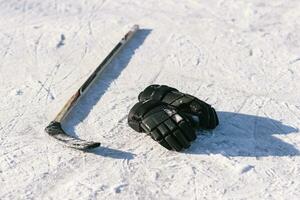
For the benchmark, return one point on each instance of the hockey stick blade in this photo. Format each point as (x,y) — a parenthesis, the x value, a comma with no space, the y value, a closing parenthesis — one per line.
(55,130)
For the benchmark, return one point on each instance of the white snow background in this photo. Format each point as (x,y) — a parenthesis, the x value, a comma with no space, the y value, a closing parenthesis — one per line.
(242,57)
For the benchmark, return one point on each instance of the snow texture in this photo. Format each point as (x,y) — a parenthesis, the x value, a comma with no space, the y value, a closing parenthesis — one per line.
(243,57)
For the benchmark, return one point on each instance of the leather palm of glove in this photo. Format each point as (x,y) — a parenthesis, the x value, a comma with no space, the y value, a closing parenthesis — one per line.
(163,123)
(201,114)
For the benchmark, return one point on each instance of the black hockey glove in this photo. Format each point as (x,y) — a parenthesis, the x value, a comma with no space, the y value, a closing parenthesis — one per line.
(200,113)
(163,123)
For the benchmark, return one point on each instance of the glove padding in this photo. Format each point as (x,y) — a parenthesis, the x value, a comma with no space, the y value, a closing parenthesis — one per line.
(163,123)
(201,114)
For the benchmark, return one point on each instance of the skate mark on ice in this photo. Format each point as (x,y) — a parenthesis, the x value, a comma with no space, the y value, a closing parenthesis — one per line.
(49,93)
(47,90)
(53,71)
(153,80)
(44,84)
(187,54)
(19,92)
(96,8)
(296,115)
(36,44)
(250,52)
(91,35)
(7,48)
(195,182)
(294,61)
(119,188)
(232,137)
(236,111)
(61,42)
(247,169)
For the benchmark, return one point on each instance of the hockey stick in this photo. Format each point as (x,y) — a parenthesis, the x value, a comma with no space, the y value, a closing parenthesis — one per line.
(55,130)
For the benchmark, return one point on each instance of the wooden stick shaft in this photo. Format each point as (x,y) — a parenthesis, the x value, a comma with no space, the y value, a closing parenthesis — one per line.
(79,93)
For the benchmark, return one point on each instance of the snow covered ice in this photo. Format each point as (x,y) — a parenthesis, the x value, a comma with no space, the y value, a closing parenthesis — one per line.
(242,57)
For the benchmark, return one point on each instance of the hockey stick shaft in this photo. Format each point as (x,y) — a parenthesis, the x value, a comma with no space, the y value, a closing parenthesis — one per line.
(79,93)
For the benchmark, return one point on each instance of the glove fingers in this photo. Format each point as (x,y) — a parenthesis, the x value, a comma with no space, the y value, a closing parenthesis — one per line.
(172,134)
(173,143)
(165,144)
(189,132)
(181,139)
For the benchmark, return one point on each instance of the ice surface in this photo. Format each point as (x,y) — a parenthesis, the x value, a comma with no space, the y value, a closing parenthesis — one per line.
(240,56)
